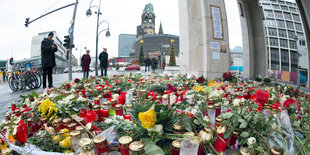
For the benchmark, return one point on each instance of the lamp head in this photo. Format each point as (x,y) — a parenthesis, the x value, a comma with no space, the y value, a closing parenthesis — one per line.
(88,13)
(108,34)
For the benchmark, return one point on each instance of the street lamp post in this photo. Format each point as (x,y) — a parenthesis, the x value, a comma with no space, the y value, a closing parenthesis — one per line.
(89,13)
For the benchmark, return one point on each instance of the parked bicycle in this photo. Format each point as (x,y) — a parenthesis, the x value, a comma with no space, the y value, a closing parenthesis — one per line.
(25,80)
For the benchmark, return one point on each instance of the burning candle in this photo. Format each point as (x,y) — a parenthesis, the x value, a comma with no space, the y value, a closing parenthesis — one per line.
(122,99)
(21,134)
(165,99)
(175,149)
(96,101)
(233,140)
(83,113)
(91,116)
(217,109)
(101,145)
(119,109)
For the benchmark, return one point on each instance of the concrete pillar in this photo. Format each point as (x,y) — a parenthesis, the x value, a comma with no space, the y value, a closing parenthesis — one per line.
(196,34)
(253,37)
(304,8)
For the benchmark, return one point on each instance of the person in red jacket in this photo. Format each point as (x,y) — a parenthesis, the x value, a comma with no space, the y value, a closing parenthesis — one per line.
(85,64)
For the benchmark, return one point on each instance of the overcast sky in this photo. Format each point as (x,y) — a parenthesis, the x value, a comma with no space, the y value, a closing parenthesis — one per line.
(123,16)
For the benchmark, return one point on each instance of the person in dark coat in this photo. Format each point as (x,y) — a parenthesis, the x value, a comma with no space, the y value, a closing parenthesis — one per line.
(154,64)
(147,62)
(103,57)
(48,49)
(4,75)
(86,60)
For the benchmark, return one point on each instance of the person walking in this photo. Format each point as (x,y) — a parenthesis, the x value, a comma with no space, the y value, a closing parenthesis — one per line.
(154,64)
(48,49)
(147,62)
(85,64)
(103,57)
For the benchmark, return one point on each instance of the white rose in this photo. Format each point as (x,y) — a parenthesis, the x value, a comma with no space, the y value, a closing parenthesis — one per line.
(251,141)
(72,91)
(194,111)
(108,121)
(236,102)
(226,103)
(206,119)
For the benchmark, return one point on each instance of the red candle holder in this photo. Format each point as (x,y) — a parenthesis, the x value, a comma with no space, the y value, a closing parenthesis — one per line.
(221,145)
(105,113)
(119,109)
(91,116)
(122,99)
(127,116)
(22,123)
(233,139)
(83,113)
(21,135)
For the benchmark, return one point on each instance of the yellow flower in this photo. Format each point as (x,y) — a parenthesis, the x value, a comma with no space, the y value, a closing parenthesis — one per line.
(11,138)
(68,151)
(66,143)
(65,133)
(56,138)
(210,83)
(47,109)
(147,118)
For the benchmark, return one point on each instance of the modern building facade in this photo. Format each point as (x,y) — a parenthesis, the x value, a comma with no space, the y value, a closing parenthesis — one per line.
(125,44)
(153,44)
(236,59)
(287,53)
(60,55)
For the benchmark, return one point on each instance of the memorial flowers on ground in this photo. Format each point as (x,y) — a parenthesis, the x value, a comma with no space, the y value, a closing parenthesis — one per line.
(157,112)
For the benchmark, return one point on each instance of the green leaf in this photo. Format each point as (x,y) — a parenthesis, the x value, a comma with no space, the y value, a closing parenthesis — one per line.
(151,149)
(241,120)
(244,134)
(243,125)
(227,134)
(227,115)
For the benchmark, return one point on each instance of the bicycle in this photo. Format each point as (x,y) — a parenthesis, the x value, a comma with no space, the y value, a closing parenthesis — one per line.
(20,80)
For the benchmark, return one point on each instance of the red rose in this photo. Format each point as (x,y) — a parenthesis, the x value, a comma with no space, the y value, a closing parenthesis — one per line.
(83,91)
(225,75)
(259,109)
(68,86)
(229,75)
(76,80)
(31,99)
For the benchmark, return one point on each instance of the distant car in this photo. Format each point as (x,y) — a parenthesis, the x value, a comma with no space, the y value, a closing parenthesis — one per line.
(66,70)
(79,69)
(132,67)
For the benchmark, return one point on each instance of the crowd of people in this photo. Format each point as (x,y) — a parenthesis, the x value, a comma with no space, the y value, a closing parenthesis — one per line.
(153,63)
(5,76)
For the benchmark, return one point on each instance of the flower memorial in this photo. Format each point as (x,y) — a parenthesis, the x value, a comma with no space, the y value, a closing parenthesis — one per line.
(159,114)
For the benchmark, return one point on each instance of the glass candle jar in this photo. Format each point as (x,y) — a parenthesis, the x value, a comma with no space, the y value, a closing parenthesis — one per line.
(106,105)
(177,129)
(123,145)
(217,109)
(276,150)
(21,134)
(234,139)
(189,147)
(7,151)
(129,108)
(75,138)
(96,101)
(218,121)
(66,122)
(175,149)
(165,99)
(127,116)
(91,116)
(22,123)
(173,98)
(83,113)
(119,109)
(82,132)
(136,147)
(122,99)
(101,145)
(113,102)
(211,114)
(210,102)
(220,145)
(71,126)
(98,112)
(105,113)
(86,145)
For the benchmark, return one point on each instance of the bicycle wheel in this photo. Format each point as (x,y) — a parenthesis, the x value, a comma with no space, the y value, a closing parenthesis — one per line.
(38,79)
(30,81)
(11,84)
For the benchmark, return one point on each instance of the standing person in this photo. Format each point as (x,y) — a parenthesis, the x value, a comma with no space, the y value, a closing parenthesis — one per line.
(48,49)
(103,57)
(7,75)
(85,64)
(3,74)
(154,64)
(147,62)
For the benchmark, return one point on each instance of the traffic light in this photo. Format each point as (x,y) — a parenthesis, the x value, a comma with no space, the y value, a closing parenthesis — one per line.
(159,56)
(67,41)
(27,22)
(11,61)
